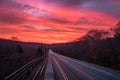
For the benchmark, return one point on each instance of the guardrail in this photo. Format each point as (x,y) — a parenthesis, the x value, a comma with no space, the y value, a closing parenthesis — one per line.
(25,70)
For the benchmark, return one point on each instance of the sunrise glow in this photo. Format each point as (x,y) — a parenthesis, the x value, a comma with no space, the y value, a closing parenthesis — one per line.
(55,21)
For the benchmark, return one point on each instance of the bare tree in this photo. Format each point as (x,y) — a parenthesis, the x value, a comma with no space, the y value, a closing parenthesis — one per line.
(95,35)
(116,30)
(19,49)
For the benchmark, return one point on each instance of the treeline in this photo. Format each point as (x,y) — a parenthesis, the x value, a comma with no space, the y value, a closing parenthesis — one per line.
(8,47)
(97,46)
(14,54)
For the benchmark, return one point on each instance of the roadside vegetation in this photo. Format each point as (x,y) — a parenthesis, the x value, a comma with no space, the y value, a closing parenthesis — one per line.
(97,46)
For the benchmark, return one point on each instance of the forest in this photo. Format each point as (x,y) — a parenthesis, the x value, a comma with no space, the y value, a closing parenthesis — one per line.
(96,46)
(15,54)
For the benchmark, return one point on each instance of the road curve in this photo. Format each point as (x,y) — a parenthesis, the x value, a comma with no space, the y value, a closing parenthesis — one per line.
(66,68)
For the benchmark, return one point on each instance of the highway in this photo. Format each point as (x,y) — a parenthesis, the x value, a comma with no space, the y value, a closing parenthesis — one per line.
(33,70)
(66,68)
(57,67)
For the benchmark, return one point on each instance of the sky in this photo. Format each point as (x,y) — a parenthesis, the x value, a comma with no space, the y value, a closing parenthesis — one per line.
(55,21)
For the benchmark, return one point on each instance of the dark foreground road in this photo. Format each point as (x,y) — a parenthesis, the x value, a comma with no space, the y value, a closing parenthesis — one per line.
(65,68)
(62,68)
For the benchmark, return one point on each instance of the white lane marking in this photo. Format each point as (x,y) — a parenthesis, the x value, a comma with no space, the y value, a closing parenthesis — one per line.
(62,72)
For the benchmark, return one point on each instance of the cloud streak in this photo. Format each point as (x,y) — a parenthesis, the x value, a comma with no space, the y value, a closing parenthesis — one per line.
(10,18)
(104,6)
(50,21)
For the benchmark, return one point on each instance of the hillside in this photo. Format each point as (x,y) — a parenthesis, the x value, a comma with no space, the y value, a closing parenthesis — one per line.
(102,52)
(15,54)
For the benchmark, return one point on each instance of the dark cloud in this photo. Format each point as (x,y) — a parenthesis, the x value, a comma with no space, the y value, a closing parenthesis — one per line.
(66,2)
(7,2)
(44,28)
(10,4)
(9,18)
(77,28)
(8,30)
(58,30)
(58,20)
(37,27)
(12,12)
(105,6)
(28,26)
(80,21)
(12,31)
(95,22)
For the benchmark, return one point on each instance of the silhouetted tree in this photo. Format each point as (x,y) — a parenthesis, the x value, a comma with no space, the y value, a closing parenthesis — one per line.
(94,44)
(19,49)
(39,50)
(117,30)
(14,38)
(95,35)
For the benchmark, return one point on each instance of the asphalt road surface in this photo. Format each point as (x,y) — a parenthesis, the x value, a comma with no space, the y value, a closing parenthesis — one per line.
(65,68)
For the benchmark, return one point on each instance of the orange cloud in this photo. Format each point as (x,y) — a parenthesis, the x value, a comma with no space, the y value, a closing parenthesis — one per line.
(34,21)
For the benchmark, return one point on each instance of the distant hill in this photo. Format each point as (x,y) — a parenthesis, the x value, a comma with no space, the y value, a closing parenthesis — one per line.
(103,52)
(8,46)
(15,54)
